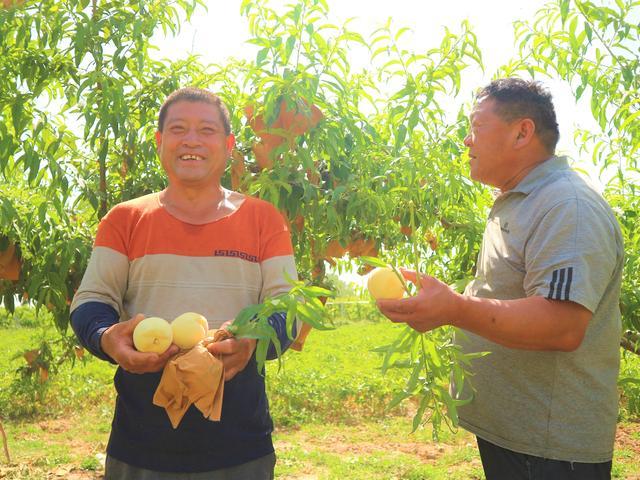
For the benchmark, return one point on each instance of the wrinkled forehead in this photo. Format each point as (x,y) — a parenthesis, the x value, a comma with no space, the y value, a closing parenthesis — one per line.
(188,109)
(482,107)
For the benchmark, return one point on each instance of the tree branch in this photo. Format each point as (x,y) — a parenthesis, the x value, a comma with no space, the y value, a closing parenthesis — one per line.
(5,443)
(631,341)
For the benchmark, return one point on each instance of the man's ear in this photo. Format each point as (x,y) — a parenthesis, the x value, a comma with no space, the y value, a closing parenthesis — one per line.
(231,142)
(526,129)
(158,139)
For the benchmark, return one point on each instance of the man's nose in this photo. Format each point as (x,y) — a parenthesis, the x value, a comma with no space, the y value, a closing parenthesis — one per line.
(191,136)
(467,140)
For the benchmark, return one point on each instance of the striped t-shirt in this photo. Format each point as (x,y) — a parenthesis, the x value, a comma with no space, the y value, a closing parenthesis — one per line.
(147,261)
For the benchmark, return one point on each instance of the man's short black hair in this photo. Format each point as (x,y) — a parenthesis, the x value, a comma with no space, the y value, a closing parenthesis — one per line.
(516,98)
(195,94)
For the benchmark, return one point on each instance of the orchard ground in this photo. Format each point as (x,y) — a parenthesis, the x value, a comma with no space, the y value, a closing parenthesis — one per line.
(330,412)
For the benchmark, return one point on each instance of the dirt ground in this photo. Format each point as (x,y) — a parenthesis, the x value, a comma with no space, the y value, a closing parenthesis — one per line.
(627,438)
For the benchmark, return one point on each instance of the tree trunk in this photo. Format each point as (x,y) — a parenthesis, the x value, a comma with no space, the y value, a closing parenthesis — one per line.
(4,442)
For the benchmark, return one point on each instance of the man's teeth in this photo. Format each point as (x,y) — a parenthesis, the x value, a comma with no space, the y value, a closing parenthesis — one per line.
(190,157)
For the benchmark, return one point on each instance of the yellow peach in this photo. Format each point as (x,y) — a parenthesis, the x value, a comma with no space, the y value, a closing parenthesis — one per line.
(384,283)
(153,334)
(189,329)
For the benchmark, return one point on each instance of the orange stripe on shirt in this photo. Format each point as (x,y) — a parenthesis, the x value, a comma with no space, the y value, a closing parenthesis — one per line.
(143,227)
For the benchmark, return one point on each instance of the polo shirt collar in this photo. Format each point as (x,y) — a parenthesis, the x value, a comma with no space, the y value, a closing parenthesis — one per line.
(538,176)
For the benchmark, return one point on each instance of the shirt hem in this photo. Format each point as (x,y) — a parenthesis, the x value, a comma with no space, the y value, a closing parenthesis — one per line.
(549,453)
(191,463)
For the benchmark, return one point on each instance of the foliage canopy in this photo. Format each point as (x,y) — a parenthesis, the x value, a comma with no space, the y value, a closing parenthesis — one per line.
(361,162)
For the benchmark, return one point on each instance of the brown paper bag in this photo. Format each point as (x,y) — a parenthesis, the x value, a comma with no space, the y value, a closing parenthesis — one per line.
(191,377)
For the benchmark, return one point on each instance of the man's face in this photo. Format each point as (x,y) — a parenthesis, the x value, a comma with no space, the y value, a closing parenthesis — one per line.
(193,146)
(490,141)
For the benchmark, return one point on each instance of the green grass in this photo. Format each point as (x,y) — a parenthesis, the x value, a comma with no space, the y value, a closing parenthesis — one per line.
(328,403)
(374,449)
(71,387)
(336,377)
(629,381)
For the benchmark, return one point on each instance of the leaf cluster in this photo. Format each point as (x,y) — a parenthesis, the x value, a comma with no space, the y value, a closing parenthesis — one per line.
(593,46)
(302,303)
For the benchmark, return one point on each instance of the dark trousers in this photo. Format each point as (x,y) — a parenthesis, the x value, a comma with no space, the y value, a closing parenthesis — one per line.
(258,469)
(502,464)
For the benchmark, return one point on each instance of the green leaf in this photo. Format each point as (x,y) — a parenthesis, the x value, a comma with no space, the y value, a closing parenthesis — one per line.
(564,10)
(631,119)
(433,354)
(589,31)
(373,261)
(261,56)
(9,302)
(18,115)
(291,43)
(401,136)
(422,407)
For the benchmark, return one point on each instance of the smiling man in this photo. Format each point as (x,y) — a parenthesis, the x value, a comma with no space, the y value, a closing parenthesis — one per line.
(543,303)
(193,247)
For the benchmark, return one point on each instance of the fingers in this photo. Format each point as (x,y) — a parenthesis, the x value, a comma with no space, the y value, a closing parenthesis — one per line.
(409,319)
(127,328)
(226,351)
(225,347)
(146,362)
(418,327)
(404,305)
(412,276)
(229,373)
(133,323)
(399,317)
(408,274)
(140,362)
(226,324)
(169,352)
(234,353)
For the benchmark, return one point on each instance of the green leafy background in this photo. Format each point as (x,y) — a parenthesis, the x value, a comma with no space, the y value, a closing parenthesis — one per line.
(80,91)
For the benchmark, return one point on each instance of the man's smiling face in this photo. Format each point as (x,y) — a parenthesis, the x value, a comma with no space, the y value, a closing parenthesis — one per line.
(193,145)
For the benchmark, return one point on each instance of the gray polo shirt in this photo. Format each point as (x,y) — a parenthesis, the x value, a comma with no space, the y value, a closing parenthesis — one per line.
(553,236)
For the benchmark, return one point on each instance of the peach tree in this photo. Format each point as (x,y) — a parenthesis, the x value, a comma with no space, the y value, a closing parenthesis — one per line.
(363,161)
(360,161)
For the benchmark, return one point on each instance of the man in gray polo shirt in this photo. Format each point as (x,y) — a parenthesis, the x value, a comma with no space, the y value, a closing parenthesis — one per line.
(544,301)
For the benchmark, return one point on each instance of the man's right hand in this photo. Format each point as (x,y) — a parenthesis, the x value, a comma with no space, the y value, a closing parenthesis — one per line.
(117,342)
(432,307)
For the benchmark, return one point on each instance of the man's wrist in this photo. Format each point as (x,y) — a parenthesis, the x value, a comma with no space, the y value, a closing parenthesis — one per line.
(457,310)
(100,333)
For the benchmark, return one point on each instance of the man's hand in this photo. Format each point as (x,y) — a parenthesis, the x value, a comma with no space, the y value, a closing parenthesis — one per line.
(117,342)
(235,353)
(530,323)
(430,308)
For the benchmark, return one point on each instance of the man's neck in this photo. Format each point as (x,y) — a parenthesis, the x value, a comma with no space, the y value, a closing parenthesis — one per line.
(197,205)
(525,169)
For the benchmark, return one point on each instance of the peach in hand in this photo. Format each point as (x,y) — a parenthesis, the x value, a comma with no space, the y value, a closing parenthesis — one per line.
(189,329)
(153,334)
(384,283)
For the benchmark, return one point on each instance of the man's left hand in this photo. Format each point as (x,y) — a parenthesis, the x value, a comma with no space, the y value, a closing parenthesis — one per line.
(235,353)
